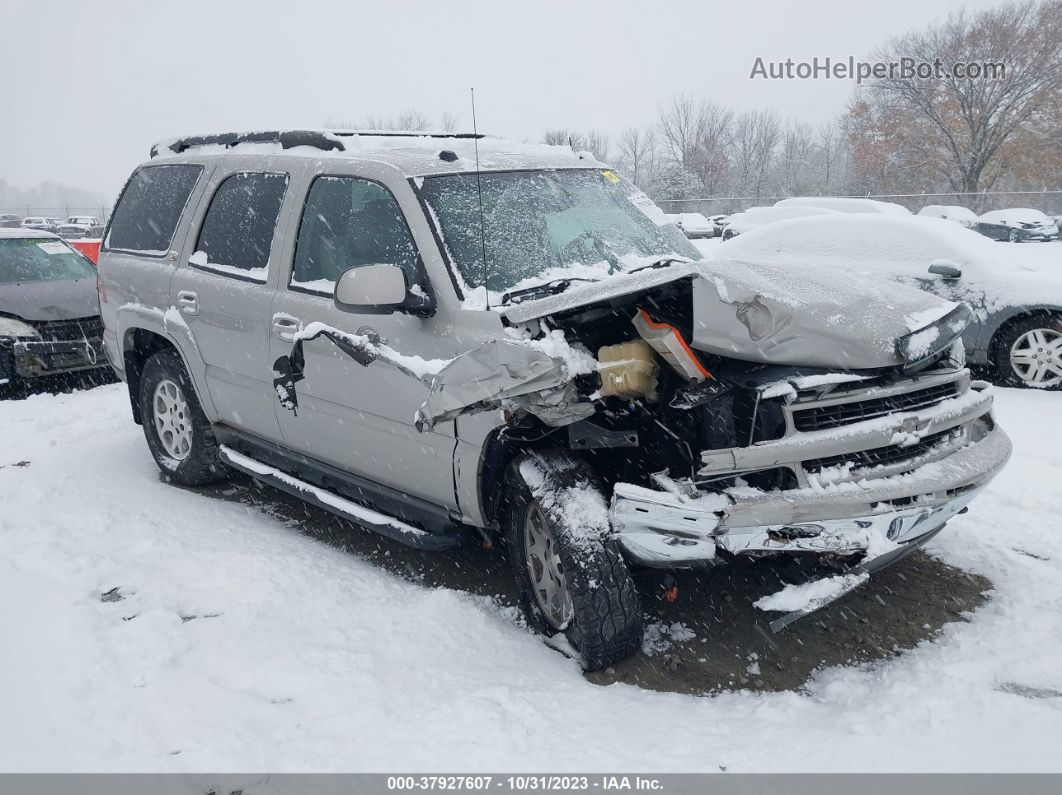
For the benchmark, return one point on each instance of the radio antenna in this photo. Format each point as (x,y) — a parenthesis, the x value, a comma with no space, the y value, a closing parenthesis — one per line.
(479,194)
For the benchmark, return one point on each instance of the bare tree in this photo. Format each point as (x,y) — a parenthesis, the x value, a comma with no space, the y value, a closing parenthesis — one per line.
(637,155)
(829,145)
(795,159)
(681,128)
(755,139)
(449,122)
(564,137)
(971,120)
(597,145)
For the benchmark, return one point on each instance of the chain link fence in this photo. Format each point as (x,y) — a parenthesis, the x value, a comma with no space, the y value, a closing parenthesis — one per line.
(1048,201)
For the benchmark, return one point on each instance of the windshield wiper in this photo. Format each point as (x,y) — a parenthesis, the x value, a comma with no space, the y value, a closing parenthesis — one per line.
(553,287)
(663,262)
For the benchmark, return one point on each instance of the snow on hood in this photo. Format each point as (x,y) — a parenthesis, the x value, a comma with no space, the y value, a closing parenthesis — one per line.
(995,276)
(774,314)
(52,300)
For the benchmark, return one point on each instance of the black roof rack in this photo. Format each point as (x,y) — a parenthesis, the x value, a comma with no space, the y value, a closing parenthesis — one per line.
(407,134)
(288,138)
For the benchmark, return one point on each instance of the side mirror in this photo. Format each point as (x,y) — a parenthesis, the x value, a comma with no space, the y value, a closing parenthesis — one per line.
(378,289)
(945,270)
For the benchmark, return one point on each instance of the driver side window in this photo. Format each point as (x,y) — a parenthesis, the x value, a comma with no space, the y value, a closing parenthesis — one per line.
(348,222)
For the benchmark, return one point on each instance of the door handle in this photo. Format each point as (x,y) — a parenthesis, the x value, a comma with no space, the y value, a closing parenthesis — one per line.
(285,326)
(188,302)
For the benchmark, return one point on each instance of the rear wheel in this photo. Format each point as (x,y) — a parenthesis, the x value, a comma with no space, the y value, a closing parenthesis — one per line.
(1014,236)
(177,432)
(1029,353)
(573,579)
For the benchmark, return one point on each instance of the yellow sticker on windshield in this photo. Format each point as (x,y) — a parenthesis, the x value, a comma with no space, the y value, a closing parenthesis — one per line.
(610,177)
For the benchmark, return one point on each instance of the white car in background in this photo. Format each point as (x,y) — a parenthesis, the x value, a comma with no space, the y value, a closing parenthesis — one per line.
(755,217)
(1015,292)
(693,225)
(1018,225)
(951,212)
(845,204)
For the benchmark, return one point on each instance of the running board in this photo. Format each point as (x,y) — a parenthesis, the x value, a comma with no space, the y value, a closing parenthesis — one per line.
(383,524)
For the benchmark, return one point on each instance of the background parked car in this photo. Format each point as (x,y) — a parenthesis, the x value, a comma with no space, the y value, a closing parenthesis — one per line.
(718,223)
(693,225)
(9,221)
(845,205)
(39,223)
(1015,293)
(1017,225)
(951,212)
(81,226)
(49,309)
(755,217)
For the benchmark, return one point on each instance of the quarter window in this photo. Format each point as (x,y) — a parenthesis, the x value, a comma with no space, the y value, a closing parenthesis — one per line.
(150,208)
(237,231)
(349,222)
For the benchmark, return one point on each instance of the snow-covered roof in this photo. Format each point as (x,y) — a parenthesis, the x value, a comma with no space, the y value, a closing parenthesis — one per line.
(845,204)
(758,216)
(690,222)
(414,153)
(23,234)
(1015,215)
(953,212)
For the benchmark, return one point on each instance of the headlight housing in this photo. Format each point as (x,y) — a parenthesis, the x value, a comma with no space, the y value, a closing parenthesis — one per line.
(930,340)
(18,329)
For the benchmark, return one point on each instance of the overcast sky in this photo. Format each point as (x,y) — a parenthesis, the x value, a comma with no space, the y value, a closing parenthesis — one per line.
(89,86)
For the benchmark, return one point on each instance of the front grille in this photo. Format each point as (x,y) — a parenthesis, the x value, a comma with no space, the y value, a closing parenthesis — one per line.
(818,418)
(66,330)
(881,456)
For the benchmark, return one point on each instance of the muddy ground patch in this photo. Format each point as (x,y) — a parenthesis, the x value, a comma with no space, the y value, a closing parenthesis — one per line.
(710,638)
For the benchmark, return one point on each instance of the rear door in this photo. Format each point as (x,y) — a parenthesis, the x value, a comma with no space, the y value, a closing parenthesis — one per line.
(361,418)
(223,290)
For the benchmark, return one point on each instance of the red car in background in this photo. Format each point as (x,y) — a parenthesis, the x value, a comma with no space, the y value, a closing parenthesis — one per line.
(90,248)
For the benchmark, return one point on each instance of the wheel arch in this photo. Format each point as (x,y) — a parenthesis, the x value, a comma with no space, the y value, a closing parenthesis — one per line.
(141,340)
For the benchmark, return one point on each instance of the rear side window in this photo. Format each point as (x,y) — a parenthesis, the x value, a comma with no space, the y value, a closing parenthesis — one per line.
(150,208)
(237,231)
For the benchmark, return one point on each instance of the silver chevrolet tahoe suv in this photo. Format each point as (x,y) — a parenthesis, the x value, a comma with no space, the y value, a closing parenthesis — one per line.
(454,337)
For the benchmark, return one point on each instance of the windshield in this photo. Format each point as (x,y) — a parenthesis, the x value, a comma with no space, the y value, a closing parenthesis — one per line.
(28,260)
(544,225)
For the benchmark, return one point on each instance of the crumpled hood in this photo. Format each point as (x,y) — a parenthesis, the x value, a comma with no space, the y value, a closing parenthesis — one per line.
(56,300)
(806,316)
(778,314)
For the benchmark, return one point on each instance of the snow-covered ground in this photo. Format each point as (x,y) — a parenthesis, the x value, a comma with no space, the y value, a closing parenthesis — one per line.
(304,657)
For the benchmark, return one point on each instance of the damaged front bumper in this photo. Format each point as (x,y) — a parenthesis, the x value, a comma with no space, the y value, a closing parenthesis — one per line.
(870,517)
(35,358)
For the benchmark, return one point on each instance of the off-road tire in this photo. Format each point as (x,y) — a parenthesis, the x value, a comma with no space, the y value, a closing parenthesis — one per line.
(202,465)
(1002,371)
(606,622)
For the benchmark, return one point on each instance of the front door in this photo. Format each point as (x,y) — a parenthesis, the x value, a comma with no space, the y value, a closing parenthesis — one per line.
(224,290)
(351,416)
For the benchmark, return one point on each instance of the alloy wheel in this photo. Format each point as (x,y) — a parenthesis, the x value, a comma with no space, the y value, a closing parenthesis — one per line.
(547,572)
(1036,357)
(173,421)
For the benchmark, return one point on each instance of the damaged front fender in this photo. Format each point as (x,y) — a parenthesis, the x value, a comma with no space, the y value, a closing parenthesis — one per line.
(514,375)
(505,374)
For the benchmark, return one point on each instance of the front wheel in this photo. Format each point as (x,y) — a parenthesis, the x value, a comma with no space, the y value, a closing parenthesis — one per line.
(1029,353)
(177,432)
(1014,236)
(572,577)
